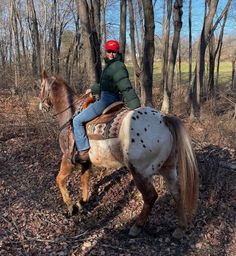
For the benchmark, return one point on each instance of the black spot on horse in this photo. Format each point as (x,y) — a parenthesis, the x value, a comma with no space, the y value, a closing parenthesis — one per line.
(145,113)
(144,145)
(153,167)
(140,112)
(133,140)
(133,118)
(142,141)
(137,117)
(160,122)
(145,129)
(138,134)
(158,141)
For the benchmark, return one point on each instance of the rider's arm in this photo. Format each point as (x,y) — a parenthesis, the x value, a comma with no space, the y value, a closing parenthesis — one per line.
(121,78)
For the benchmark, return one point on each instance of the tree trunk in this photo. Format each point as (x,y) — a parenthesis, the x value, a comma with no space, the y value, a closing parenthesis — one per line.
(206,35)
(104,31)
(233,85)
(165,42)
(33,26)
(123,7)
(190,42)
(210,90)
(140,45)
(197,85)
(16,45)
(177,20)
(87,46)
(133,47)
(148,53)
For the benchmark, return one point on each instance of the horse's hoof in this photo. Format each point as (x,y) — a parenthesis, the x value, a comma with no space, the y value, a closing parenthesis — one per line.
(178,233)
(135,230)
(73,210)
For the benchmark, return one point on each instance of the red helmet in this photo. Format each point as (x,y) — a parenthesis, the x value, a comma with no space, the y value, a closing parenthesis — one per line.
(112,45)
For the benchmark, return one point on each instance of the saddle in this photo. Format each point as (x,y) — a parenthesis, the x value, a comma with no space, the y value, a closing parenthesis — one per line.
(108,124)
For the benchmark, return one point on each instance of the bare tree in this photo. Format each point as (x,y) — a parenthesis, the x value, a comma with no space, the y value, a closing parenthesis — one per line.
(190,41)
(123,7)
(16,44)
(148,53)
(177,20)
(92,62)
(165,41)
(206,35)
(33,26)
(137,70)
(103,25)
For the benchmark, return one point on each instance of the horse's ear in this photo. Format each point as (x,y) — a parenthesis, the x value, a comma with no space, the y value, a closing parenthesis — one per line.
(44,75)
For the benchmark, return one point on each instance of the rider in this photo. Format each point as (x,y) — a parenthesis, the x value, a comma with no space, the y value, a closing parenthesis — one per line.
(114,81)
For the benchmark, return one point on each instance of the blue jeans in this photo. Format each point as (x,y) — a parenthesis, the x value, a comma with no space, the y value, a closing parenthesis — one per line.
(93,110)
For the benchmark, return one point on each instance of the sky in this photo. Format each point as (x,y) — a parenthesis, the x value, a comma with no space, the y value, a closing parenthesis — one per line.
(197,18)
(198,15)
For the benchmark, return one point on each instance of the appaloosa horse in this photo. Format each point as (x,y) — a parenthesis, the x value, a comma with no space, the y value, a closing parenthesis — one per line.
(147,143)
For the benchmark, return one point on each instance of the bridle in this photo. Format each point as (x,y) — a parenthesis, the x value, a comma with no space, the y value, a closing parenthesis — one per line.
(49,89)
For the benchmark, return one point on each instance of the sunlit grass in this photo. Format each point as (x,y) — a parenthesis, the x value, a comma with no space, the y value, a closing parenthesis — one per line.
(224,77)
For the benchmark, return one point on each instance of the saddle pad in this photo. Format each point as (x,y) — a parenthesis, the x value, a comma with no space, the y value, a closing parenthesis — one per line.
(106,126)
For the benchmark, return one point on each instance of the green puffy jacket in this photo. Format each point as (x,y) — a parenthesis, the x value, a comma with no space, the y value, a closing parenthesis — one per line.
(115,78)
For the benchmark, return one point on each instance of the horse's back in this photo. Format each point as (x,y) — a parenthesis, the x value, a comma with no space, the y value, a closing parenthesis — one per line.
(145,139)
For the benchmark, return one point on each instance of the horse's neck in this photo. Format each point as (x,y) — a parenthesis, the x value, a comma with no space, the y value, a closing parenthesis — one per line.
(65,107)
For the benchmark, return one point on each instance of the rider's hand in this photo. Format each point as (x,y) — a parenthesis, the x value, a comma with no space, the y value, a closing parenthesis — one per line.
(88,91)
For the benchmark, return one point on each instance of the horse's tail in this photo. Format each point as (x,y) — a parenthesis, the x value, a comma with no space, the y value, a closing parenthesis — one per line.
(187,165)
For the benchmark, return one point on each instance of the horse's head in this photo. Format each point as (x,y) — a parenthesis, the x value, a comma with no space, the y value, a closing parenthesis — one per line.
(45,96)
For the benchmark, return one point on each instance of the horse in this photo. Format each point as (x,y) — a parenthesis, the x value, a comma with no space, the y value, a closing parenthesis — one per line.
(148,143)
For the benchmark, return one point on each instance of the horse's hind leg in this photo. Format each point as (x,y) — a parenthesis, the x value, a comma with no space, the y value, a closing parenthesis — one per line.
(169,173)
(65,171)
(149,195)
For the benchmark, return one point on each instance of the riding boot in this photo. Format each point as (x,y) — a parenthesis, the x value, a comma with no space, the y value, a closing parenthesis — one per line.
(81,157)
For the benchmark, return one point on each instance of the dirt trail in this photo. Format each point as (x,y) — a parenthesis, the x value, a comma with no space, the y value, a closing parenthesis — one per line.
(32,214)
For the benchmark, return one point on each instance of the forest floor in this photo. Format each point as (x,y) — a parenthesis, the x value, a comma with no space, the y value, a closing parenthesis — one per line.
(32,213)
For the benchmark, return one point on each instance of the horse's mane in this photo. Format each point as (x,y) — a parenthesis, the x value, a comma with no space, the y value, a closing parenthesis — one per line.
(60,81)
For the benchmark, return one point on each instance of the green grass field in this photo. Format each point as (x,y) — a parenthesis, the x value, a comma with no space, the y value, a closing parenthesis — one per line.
(224,78)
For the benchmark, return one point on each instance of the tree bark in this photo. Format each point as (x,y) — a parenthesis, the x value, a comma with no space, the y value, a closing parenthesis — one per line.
(190,42)
(133,47)
(148,53)
(33,26)
(197,83)
(165,42)
(177,20)
(123,8)
(88,46)
(16,45)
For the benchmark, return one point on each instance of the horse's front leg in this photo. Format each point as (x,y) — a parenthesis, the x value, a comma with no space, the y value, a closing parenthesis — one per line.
(65,171)
(85,169)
